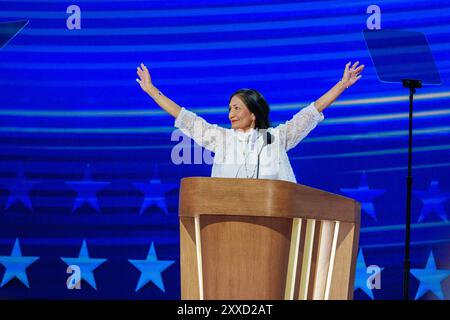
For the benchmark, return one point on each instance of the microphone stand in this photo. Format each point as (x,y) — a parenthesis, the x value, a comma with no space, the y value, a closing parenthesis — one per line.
(266,142)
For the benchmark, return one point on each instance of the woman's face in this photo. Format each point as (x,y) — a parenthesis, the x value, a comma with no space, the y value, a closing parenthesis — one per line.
(241,118)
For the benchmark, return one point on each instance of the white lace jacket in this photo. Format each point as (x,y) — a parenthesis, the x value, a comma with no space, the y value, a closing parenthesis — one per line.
(236,153)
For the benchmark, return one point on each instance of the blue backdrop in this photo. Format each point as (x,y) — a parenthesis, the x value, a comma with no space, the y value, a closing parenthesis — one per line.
(86,175)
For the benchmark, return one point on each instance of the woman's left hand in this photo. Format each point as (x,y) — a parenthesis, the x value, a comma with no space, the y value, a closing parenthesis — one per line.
(352,74)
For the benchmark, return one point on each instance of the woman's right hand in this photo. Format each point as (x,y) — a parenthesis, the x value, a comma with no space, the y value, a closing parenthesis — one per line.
(145,81)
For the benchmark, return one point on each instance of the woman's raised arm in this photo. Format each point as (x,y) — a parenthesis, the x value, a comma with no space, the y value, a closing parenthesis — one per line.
(296,129)
(203,133)
(351,75)
(145,81)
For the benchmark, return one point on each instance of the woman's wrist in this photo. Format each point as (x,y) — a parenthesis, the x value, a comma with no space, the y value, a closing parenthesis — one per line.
(342,84)
(153,92)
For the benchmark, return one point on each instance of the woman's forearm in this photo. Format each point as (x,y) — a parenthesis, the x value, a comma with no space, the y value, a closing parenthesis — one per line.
(328,98)
(168,105)
(350,77)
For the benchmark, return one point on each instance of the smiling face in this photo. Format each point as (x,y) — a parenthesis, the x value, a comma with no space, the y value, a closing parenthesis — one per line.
(241,118)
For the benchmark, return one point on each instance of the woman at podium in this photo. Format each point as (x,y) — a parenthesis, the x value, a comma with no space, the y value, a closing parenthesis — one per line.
(251,148)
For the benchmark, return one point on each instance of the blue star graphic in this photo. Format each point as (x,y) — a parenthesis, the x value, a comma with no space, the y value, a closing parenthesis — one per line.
(433,201)
(151,269)
(86,191)
(87,265)
(430,278)
(16,265)
(154,192)
(361,275)
(365,195)
(19,190)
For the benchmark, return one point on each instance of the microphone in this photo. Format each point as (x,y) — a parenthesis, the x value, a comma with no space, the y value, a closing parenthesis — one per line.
(268,138)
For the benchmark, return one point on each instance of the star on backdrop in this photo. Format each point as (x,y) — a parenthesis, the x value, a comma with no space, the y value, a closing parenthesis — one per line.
(433,201)
(19,189)
(154,192)
(365,195)
(16,265)
(87,190)
(151,269)
(430,278)
(87,265)
(361,275)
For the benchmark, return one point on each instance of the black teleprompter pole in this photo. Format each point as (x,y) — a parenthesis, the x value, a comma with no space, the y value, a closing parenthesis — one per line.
(412,85)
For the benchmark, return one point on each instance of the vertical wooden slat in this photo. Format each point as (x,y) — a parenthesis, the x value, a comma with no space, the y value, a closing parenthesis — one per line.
(301,250)
(314,259)
(188,260)
(198,245)
(323,259)
(293,259)
(332,258)
(307,259)
(352,259)
(343,279)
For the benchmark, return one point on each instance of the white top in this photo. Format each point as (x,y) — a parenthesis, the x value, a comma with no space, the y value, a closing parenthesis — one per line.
(236,152)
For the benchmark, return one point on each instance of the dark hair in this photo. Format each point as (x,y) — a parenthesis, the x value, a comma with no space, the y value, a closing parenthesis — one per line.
(256,104)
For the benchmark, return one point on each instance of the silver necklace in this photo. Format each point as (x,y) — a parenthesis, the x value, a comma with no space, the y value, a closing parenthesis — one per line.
(245,155)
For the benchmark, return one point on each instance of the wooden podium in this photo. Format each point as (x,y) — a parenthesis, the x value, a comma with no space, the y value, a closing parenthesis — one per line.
(265,239)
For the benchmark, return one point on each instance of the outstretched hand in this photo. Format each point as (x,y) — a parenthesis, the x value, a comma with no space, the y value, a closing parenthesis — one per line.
(145,80)
(352,74)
